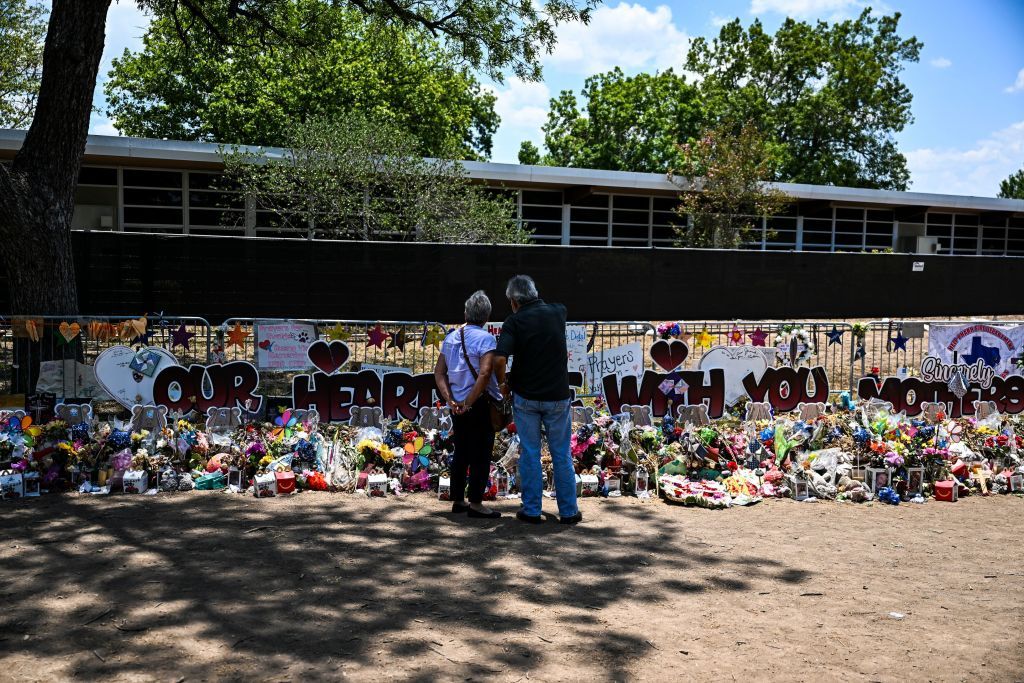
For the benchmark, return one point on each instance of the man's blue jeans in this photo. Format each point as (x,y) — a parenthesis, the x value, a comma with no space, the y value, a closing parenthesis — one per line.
(557,419)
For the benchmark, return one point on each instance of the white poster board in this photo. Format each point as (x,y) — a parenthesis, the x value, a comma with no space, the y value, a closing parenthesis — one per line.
(622,361)
(282,345)
(996,346)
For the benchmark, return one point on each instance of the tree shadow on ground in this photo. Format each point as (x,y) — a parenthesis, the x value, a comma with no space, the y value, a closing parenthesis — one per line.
(316,584)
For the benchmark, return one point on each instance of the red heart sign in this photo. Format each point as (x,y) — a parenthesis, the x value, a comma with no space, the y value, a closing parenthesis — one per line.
(328,357)
(669,355)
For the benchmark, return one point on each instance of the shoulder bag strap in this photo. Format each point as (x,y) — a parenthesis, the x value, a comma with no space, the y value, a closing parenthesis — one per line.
(465,354)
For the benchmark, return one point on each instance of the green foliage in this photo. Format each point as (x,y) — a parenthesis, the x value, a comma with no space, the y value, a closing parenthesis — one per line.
(490,35)
(724,193)
(249,93)
(1013,186)
(22,29)
(629,123)
(529,155)
(356,178)
(831,94)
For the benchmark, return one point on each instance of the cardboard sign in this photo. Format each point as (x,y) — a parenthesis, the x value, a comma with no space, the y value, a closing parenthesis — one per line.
(282,346)
(129,375)
(737,362)
(622,361)
(69,379)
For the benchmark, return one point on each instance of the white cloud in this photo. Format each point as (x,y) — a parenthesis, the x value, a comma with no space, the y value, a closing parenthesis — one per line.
(523,108)
(1018,85)
(521,104)
(975,171)
(941,63)
(626,35)
(717,21)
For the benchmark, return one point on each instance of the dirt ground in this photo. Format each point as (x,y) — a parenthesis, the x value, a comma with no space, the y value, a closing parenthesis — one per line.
(209,586)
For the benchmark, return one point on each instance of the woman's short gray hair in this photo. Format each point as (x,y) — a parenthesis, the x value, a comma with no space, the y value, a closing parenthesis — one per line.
(521,289)
(478,307)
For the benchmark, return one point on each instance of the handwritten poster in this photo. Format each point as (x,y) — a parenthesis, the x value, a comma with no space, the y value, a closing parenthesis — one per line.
(622,361)
(282,346)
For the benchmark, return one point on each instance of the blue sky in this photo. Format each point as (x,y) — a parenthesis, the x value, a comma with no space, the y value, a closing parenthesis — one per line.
(968,88)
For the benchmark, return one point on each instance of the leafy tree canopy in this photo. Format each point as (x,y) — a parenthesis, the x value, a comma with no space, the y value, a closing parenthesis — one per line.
(831,94)
(248,92)
(22,29)
(627,123)
(356,178)
(1013,186)
(724,193)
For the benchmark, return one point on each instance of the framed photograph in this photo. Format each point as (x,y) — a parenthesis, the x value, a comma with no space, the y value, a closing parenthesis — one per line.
(800,489)
(876,478)
(1017,483)
(915,480)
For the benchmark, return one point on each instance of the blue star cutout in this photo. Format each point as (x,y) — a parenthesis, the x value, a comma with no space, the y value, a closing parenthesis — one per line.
(899,342)
(835,336)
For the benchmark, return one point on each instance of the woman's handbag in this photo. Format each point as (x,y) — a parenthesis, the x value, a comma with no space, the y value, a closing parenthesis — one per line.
(501,410)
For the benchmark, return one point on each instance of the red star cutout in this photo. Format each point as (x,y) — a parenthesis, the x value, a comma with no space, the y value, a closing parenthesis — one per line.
(757,337)
(237,336)
(376,337)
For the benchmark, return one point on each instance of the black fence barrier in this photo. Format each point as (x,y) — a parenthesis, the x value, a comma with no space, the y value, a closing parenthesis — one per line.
(221,277)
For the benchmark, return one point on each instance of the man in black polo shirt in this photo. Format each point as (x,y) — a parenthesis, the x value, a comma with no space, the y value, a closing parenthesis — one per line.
(534,335)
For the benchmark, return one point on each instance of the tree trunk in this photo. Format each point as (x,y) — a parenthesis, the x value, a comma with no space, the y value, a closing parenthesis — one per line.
(37,192)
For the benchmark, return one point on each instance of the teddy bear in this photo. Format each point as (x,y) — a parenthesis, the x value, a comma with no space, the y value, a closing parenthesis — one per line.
(582,415)
(758,411)
(694,414)
(150,418)
(810,412)
(223,418)
(639,415)
(365,416)
(74,413)
(436,418)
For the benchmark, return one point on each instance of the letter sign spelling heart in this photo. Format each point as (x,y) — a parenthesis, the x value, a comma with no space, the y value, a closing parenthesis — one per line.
(669,355)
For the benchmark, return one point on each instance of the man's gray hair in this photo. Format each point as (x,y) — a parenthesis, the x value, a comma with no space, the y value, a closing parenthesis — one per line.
(521,289)
(478,307)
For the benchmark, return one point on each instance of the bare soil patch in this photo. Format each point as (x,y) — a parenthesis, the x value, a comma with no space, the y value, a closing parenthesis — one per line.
(211,586)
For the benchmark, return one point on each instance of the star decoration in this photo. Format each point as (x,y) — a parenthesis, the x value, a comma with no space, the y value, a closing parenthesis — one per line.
(758,336)
(181,337)
(432,336)
(736,336)
(376,336)
(237,336)
(835,336)
(398,339)
(899,342)
(338,332)
(704,339)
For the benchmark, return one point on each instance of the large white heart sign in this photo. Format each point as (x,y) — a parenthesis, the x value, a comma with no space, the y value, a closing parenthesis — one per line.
(737,362)
(128,375)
